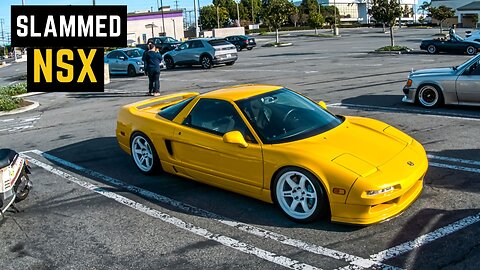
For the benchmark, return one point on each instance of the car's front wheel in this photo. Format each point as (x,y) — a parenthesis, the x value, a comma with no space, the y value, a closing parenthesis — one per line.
(299,195)
(230,63)
(432,49)
(169,62)
(143,154)
(471,50)
(429,96)
(131,71)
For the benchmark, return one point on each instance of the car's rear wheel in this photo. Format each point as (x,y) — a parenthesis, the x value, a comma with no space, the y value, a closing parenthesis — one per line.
(131,71)
(238,48)
(299,195)
(429,96)
(432,49)
(249,48)
(471,50)
(143,154)
(169,63)
(206,62)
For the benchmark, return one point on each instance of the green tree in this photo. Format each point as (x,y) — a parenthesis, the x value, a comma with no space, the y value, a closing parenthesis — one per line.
(208,16)
(315,20)
(295,16)
(247,12)
(407,11)
(275,14)
(328,12)
(309,6)
(441,13)
(230,5)
(387,12)
(424,7)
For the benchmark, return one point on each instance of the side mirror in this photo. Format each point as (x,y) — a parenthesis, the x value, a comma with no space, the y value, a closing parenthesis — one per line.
(235,137)
(323,105)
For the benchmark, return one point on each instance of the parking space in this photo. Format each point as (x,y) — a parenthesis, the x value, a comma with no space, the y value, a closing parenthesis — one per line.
(102,213)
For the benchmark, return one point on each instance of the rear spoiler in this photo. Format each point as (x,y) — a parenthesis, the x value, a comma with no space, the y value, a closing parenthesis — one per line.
(162,100)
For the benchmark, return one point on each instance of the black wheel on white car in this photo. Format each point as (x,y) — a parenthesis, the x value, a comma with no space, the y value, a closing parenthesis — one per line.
(432,49)
(299,195)
(131,71)
(429,96)
(169,64)
(471,50)
(143,154)
(230,63)
(206,62)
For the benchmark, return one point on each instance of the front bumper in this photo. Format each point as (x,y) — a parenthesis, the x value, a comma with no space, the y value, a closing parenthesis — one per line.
(140,69)
(407,179)
(410,93)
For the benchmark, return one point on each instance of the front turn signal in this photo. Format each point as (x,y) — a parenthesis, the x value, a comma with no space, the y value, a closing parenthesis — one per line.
(409,83)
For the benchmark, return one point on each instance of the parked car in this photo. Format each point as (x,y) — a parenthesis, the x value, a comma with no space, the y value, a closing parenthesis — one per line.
(206,52)
(275,145)
(457,85)
(452,43)
(475,36)
(242,42)
(164,44)
(125,61)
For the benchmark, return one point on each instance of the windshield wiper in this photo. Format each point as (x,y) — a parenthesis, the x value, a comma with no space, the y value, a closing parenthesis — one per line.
(454,67)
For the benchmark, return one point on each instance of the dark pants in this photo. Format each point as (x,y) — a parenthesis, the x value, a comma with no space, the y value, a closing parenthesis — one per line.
(154,81)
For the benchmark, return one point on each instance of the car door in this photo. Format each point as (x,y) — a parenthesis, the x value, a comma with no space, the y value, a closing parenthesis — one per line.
(197,48)
(199,145)
(181,55)
(111,60)
(122,63)
(468,84)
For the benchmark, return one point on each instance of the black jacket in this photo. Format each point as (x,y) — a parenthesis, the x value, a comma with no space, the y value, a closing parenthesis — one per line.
(152,60)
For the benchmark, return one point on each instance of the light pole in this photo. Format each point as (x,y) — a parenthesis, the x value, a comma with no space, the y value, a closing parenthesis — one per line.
(218,19)
(238,14)
(195,11)
(335,29)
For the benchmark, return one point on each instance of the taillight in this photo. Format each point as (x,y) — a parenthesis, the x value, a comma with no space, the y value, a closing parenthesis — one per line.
(246,41)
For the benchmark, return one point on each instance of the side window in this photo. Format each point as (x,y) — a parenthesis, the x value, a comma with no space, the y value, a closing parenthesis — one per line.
(217,117)
(475,69)
(197,44)
(185,46)
(112,55)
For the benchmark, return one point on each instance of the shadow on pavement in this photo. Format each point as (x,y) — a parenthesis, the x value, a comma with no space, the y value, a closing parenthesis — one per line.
(103,155)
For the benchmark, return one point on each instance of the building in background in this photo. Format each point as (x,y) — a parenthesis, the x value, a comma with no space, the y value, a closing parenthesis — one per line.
(142,25)
(464,9)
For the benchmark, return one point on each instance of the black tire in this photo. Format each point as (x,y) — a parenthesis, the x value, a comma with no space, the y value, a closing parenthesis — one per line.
(319,205)
(432,49)
(206,62)
(230,63)
(238,48)
(471,50)
(22,194)
(249,48)
(131,71)
(148,152)
(429,96)
(169,63)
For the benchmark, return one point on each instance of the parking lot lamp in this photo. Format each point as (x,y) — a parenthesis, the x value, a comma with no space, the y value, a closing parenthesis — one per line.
(238,14)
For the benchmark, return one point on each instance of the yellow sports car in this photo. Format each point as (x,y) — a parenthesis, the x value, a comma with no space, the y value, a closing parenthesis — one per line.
(273,144)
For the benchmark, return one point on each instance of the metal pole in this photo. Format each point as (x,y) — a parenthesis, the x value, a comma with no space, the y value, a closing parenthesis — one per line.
(335,31)
(253,17)
(238,15)
(195,11)
(93,2)
(163,19)
(218,19)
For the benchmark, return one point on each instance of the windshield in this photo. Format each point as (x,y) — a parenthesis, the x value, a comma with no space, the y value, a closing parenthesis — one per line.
(133,53)
(284,116)
(456,37)
(467,63)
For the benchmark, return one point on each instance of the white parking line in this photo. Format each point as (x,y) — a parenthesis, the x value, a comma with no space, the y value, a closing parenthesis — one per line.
(412,110)
(224,240)
(236,224)
(454,167)
(457,160)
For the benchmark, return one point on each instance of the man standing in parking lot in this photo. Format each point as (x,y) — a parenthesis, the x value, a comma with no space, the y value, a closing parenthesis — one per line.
(152,60)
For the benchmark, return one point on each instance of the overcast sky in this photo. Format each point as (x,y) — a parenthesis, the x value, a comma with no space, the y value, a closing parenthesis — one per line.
(132,5)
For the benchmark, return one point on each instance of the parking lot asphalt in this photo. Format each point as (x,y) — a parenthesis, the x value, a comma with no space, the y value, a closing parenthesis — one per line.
(92,209)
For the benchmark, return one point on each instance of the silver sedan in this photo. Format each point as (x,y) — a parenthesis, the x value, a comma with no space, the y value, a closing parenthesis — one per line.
(458,85)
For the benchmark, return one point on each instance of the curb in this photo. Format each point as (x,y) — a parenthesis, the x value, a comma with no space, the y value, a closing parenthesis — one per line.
(27,108)
(29,94)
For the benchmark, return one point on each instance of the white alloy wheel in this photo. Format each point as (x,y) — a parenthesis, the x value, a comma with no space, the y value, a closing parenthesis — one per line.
(297,195)
(143,154)
(428,96)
